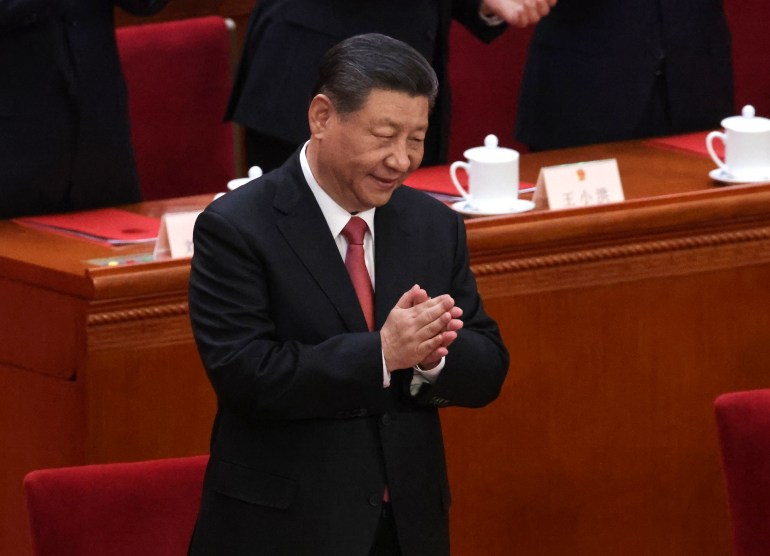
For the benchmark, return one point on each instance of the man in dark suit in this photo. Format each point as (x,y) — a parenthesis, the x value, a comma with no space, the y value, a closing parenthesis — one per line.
(64,133)
(327,439)
(603,70)
(286,39)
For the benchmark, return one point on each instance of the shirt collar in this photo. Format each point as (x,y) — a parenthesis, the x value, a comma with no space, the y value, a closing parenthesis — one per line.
(336,216)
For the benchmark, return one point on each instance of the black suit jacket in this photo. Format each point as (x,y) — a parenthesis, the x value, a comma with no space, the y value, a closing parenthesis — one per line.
(306,437)
(593,65)
(286,40)
(64,133)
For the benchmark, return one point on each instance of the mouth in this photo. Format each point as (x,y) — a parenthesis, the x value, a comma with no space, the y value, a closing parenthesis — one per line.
(386,182)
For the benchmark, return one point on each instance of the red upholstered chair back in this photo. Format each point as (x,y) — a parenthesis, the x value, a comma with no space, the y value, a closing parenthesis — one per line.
(485,80)
(743,423)
(751,53)
(179,76)
(121,509)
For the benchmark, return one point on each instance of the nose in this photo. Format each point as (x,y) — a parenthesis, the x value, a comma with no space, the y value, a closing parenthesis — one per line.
(398,159)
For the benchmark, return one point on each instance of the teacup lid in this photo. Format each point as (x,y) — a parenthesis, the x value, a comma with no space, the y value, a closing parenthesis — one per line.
(748,121)
(490,152)
(254,173)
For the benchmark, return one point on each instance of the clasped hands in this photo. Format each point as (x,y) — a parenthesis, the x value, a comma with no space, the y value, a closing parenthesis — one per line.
(518,13)
(419,330)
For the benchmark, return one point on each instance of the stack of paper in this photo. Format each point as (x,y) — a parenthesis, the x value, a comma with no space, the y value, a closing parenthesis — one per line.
(109,225)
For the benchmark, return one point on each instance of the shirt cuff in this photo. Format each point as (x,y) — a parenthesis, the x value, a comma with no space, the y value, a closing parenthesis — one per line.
(430,375)
(385,373)
(420,375)
(491,20)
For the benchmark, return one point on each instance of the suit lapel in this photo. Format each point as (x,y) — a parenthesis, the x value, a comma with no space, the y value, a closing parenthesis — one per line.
(395,256)
(396,251)
(303,225)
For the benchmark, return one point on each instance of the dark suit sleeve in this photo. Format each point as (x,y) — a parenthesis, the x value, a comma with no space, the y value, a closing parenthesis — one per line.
(20,13)
(478,361)
(241,306)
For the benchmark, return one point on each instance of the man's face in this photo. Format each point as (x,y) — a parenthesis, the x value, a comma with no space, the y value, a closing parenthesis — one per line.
(362,157)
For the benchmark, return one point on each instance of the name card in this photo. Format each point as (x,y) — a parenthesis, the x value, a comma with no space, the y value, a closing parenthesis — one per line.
(579,185)
(175,237)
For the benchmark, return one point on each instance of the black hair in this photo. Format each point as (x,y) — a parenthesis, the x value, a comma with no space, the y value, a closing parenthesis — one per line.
(351,69)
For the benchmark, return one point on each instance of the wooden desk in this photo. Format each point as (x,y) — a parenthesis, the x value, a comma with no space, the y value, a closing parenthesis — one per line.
(96,363)
(623,321)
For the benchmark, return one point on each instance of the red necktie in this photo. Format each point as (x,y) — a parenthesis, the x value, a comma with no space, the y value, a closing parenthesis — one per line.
(354,231)
(355,262)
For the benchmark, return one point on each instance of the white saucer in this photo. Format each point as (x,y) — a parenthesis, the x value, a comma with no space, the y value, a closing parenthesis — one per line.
(519,205)
(720,175)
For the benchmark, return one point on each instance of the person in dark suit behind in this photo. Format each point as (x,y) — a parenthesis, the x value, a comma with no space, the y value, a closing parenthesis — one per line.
(286,39)
(327,438)
(64,133)
(603,70)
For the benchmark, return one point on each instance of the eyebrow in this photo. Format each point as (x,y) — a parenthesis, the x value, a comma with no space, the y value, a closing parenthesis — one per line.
(390,123)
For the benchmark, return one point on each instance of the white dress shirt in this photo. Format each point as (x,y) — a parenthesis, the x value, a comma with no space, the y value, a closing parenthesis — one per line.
(336,218)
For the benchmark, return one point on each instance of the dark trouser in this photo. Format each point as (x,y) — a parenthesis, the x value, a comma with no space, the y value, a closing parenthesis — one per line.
(386,540)
(656,120)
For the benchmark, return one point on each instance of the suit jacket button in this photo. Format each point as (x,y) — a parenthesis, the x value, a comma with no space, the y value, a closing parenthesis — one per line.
(375,499)
(386,419)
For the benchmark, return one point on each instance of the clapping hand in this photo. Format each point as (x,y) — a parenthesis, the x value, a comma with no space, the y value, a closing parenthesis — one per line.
(419,330)
(518,13)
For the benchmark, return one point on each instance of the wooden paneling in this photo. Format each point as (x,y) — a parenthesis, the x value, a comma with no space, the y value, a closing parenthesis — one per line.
(97,364)
(623,323)
(41,425)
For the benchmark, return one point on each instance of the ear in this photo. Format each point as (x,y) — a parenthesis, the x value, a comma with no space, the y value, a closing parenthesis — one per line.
(320,114)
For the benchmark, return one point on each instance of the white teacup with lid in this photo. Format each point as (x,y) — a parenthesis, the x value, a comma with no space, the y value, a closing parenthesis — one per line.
(254,173)
(747,147)
(493,176)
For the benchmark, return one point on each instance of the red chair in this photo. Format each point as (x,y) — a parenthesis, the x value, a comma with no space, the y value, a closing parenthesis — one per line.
(751,46)
(743,424)
(120,509)
(179,76)
(482,105)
